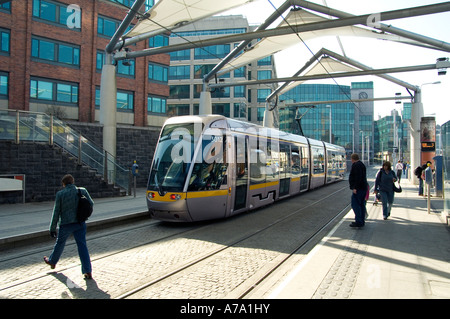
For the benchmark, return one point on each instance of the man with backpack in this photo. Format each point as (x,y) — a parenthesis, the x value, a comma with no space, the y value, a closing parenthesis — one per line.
(418,172)
(65,213)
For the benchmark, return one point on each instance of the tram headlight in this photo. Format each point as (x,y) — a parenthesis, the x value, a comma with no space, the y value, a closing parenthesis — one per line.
(150,195)
(175,196)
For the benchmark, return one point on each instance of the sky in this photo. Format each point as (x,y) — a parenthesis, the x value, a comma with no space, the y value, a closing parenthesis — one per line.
(375,53)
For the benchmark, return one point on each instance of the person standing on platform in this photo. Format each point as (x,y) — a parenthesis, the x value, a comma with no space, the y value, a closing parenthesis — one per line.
(358,184)
(399,169)
(384,183)
(419,173)
(65,213)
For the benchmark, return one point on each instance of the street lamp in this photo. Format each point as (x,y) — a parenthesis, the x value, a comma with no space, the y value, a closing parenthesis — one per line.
(329,106)
(353,136)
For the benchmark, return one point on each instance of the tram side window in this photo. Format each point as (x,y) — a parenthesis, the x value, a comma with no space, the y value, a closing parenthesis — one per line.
(257,166)
(285,161)
(295,160)
(272,161)
(318,160)
(304,160)
(210,174)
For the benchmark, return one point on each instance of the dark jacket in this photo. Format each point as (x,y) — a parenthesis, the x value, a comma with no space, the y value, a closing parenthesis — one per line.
(66,203)
(358,178)
(384,181)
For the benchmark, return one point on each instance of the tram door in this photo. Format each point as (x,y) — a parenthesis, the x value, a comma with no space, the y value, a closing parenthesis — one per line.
(241,173)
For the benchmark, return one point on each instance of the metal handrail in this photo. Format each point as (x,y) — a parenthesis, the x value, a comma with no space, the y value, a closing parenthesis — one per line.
(18,125)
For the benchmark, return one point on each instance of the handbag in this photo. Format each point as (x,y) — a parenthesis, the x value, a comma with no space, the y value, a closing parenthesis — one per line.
(84,209)
(397,189)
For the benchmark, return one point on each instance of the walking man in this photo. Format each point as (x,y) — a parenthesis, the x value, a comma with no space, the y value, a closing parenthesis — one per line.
(359,187)
(65,213)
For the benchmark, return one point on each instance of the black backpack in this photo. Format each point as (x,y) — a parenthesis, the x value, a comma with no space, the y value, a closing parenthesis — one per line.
(418,171)
(84,210)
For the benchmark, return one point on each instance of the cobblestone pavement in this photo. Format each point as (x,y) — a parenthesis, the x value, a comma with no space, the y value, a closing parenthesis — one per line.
(124,259)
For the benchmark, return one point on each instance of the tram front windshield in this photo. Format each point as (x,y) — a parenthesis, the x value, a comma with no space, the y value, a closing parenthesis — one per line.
(173,157)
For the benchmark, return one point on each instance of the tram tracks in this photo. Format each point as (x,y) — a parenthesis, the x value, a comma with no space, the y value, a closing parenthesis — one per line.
(181,254)
(274,264)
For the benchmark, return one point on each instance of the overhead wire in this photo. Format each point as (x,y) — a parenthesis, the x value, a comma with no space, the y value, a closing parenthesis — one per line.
(317,58)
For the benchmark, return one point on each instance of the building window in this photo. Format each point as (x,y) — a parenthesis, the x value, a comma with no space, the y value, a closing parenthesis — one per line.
(129,3)
(106,27)
(208,32)
(50,90)
(180,55)
(100,60)
(212,52)
(5,40)
(179,92)
(239,110)
(156,104)
(239,73)
(178,109)
(179,72)
(3,85)
(121,68)
(264,75)
(6,7)
(157,72)
(125,101)
(260,114)
(57,13)
(55,51)
(221,108)
(265,61)
(263,94)
(221,92)
(201,70)
(239,91)
(160,40)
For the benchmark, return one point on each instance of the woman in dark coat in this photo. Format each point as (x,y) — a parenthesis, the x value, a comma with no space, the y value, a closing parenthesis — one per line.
(384,184)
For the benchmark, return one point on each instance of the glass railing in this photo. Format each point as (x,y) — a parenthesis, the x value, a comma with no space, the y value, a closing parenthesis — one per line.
(40,127)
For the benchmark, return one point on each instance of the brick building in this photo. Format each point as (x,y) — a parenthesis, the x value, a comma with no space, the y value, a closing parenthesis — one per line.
(51,56)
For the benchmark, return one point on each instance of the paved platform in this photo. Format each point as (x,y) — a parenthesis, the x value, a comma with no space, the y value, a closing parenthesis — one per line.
(29,221)
(406,256)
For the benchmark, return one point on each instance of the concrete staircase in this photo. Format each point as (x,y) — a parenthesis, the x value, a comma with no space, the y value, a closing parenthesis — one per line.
(44,166)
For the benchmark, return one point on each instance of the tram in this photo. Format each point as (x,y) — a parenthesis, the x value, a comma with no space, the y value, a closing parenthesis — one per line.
(211,167)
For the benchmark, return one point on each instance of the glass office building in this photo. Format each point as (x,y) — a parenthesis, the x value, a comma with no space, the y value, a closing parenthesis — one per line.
(315,121)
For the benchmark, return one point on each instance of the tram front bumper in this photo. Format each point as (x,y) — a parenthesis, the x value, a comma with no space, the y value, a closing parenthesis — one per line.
(168,207)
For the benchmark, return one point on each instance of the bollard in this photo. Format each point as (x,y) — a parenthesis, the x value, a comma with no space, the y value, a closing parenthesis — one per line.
(428,181)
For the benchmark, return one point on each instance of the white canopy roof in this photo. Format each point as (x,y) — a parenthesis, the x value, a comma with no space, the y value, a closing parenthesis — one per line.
(168,14)
(326,65)
(272,45)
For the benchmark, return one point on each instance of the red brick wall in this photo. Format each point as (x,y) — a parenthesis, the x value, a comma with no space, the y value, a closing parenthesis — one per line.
(21,67)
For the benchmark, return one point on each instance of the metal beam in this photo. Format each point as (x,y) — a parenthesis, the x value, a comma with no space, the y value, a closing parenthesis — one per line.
(362,19)
(328,76)
(436,44)
(365,67)
(244,43)
(124,25)
(313,59)
(345,101)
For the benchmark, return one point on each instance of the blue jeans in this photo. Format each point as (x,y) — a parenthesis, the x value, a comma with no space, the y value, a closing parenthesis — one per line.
(359,206)
(387,199)
(420,186)
(79,233)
